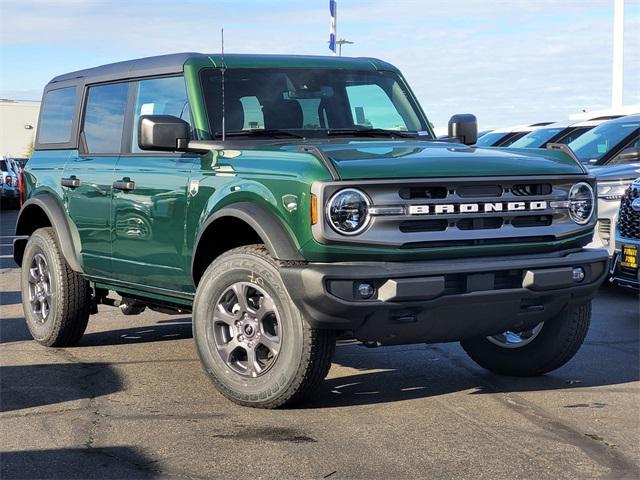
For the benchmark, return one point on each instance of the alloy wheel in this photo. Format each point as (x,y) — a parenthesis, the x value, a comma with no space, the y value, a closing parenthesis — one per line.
(247,329)
(40,288)
(516,339)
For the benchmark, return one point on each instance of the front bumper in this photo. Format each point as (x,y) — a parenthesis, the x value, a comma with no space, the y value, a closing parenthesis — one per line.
(443,300)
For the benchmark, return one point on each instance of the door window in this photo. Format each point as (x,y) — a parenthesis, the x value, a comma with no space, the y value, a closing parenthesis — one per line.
(104,117)
(160,96)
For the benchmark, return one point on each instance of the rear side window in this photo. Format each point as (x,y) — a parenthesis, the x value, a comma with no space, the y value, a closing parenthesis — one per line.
(56,118)
(104,117)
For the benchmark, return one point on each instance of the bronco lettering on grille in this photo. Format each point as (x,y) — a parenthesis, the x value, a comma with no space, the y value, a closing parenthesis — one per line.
(453,208)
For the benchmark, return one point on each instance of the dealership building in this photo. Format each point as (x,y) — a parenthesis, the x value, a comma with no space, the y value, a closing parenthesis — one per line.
(18,122)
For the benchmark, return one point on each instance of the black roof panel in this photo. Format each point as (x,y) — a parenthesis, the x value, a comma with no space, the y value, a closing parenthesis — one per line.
(158,65)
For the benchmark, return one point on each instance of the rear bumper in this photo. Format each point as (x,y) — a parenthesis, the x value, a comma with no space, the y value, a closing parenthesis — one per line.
(444,300)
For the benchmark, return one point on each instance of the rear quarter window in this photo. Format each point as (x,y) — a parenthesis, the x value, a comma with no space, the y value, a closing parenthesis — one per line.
(56,119)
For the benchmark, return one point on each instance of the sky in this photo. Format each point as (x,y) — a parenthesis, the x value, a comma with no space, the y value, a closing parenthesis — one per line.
(507,62)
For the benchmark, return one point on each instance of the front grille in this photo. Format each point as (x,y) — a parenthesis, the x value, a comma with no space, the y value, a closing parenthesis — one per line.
(470,191)
(527,189)
(410,193)
(629,220)
(478,241)
(424,226)
(449,212)
(480,223)
(532,221)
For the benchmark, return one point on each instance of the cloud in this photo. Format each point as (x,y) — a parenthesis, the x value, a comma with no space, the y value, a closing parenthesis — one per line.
(506,61)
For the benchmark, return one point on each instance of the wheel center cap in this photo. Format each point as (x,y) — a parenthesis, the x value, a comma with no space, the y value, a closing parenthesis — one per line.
(249,330)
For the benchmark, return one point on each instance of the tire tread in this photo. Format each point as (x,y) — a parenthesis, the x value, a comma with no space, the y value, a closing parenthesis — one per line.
(73,296)
(568,331)
(318,349)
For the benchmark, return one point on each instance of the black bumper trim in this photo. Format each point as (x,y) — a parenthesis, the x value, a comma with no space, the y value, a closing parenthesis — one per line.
(446,310)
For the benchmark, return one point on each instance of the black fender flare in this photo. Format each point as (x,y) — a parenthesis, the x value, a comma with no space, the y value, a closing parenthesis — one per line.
(58,220)
(273,233)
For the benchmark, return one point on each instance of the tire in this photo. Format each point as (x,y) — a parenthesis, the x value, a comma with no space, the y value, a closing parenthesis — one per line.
(303,355)
(129,306)
(555,344)
(60,318)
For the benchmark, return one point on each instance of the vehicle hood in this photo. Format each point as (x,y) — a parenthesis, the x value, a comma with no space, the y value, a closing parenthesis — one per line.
(415,159)
(616,172)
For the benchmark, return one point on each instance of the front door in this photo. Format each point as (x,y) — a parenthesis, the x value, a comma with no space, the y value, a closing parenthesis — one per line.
(88,175)
(150,202)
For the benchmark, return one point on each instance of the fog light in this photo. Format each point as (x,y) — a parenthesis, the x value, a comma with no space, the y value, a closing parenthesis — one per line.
(578,274)
(366,290)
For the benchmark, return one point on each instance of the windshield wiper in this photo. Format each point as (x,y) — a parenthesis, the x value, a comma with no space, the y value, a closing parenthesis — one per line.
(262,132)
(371,132)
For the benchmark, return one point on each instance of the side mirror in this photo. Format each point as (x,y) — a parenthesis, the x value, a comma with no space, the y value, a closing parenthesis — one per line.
(464,127)
(163,132)
(630,154)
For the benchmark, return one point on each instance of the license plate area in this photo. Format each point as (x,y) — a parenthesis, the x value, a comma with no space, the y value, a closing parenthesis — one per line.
(629,257)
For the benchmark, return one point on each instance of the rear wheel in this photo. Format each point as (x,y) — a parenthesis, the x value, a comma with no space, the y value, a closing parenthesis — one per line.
(55,299)
(252,340)
(536,350)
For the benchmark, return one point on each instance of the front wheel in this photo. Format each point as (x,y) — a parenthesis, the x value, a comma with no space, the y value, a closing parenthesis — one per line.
(534,351)
(252,340)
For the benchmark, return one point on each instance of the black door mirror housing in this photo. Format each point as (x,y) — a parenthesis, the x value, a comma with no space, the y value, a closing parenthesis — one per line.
(163,132)
(464,127)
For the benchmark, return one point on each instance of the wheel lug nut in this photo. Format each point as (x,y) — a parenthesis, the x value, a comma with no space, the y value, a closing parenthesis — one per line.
(241,338)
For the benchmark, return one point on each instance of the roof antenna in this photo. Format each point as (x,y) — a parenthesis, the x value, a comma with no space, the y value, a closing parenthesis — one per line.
(222,72)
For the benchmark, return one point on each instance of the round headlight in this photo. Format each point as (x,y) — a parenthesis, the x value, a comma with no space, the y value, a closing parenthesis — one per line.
(581,203)
(348,211)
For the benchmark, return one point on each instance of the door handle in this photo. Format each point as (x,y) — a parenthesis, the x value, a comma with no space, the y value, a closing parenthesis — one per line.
(71,182)
(125,185)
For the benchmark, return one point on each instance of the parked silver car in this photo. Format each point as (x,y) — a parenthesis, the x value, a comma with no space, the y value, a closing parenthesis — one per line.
(612,182)
(559,132)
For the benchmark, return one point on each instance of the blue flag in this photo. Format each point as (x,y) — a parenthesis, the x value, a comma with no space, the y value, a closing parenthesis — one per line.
(333,9)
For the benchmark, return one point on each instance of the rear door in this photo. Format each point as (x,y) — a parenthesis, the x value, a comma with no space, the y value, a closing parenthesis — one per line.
(149,211)
(89,173)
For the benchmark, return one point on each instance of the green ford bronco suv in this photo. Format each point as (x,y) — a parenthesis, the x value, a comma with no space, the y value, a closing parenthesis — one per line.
(285,199)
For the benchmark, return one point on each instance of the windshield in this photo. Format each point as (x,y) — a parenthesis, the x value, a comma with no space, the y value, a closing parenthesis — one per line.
(310,102)
(537,138)
(596,143)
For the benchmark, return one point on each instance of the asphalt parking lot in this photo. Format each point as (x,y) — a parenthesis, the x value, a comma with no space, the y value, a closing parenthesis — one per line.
(131,401)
